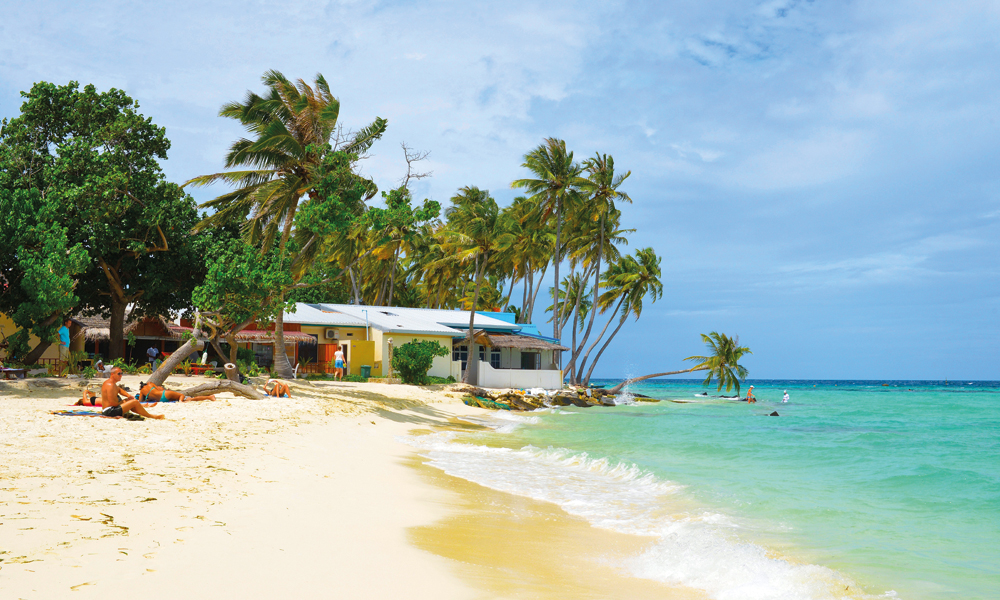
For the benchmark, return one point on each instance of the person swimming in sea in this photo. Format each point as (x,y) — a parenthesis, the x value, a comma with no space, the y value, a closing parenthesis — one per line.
(785,397)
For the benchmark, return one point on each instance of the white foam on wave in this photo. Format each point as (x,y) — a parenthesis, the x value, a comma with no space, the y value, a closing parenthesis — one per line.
(700,550)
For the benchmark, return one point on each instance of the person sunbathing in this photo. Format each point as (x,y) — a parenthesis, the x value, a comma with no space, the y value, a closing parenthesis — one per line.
(151,393)
(111,404)
(280,390)
(90,398)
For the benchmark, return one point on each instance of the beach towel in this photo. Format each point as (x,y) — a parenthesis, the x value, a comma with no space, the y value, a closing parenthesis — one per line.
(90,413)
(77,413)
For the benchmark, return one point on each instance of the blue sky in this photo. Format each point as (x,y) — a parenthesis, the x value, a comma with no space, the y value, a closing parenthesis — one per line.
(820,178)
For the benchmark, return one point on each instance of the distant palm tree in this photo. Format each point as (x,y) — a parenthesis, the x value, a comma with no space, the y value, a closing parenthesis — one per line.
(291,127)
(557,181)
(722,363)
(629,281)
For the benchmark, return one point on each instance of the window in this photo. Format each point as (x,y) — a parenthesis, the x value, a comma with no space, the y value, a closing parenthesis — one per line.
(531,361)
(495,358)
(460,353)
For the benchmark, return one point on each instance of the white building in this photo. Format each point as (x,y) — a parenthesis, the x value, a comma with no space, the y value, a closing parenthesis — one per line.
(511,355)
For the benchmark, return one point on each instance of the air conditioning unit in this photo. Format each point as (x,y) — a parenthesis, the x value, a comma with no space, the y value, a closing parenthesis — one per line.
(332,334)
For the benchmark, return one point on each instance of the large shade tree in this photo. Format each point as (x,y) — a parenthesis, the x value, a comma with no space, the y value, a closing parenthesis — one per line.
(292,129)
(79,171)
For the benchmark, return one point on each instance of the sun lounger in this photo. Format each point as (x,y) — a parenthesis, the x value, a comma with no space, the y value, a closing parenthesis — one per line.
(14,373)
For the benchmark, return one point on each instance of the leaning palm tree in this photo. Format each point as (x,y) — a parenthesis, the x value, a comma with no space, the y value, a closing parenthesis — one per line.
(722,364)
(291,128)
(629,281)
(557,181)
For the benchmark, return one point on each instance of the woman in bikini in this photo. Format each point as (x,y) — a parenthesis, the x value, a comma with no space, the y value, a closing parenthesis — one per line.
(151,393)
(280,390)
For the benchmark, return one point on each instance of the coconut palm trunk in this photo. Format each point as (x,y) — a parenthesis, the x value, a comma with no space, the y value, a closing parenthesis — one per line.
(627,382)
(472,364)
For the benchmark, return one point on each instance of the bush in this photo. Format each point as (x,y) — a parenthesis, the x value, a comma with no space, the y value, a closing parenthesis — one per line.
(440,380)
(89,372)
(413,359)
(355,378)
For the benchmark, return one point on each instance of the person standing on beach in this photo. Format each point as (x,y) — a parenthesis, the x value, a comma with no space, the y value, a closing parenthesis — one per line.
(785,397)
(338,365)
(750,397)
(64,342)
(111,404)
(151,355)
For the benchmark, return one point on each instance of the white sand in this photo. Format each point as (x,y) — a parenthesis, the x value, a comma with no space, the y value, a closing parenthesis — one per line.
(299,498)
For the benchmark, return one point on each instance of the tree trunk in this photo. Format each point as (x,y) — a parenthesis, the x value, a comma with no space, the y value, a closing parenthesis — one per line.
(206,389)
(557,259)
(593,307)
(37,352)
(117,328)
(472,365)
(354,286)
(621,385)
(583,362)
(603,348)
(174,360)
(231,340)
(281,365)
(524,297)
(218,348)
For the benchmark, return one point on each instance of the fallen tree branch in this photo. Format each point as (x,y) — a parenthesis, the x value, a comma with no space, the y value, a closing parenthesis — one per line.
(224,385)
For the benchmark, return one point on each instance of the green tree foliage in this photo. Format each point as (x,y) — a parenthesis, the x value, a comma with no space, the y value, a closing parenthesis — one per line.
(79,170)
(414,359)
(242,286)
(292,127)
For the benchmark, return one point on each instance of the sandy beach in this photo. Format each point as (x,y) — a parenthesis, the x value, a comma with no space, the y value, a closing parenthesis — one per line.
(310,497)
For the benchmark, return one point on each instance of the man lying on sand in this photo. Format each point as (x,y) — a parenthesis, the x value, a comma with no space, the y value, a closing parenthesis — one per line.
(113,406)
(280,390)
(150,392)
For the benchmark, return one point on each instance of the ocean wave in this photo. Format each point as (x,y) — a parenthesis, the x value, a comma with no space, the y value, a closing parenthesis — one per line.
(698,549)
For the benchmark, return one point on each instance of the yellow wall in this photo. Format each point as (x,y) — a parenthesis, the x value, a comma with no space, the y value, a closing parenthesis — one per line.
(7,328)
(360,353)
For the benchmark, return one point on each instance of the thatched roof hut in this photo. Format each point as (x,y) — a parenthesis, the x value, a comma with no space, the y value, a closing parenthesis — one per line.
(506,340)
(96,328)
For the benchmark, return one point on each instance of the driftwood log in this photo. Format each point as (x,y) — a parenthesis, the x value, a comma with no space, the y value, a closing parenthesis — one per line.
(224,385)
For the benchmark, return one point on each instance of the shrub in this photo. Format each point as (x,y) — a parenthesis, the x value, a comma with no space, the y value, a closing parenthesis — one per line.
(89,372)
(355,378)
(413,359)
(440,380)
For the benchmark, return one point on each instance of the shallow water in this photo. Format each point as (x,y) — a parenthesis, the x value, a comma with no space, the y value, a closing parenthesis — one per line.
(857,490)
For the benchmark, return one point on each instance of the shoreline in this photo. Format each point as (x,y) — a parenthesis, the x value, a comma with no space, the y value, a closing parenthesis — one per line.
(305,497)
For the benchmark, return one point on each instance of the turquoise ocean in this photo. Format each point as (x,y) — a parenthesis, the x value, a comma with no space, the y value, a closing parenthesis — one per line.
(858,489)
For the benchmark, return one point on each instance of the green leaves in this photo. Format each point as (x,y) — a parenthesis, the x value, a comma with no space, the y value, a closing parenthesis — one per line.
(414,359)
(80,183)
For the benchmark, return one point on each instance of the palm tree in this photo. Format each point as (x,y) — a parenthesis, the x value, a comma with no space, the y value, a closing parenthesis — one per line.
(291,126)
(475,229)
(722,363)
(557,181)
(603,187)
(629,281)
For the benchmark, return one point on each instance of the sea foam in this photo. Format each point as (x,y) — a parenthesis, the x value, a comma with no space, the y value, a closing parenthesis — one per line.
(698,549)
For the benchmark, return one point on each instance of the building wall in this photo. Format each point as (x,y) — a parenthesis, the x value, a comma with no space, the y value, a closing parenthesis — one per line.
(441,367)
(7,328)
(519,378)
